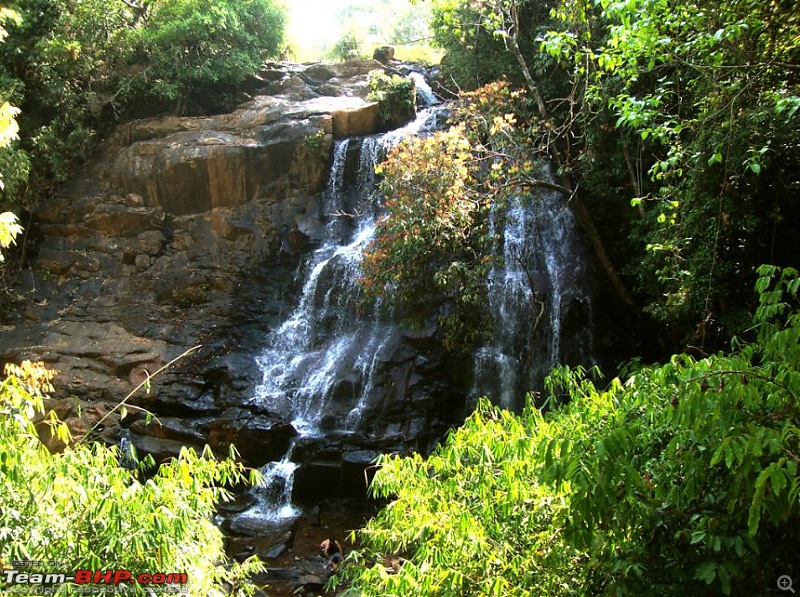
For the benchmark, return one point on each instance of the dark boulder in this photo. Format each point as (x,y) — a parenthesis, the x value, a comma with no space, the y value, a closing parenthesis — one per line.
(383,54)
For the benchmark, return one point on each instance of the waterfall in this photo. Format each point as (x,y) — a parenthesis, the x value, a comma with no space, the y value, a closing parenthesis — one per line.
(318,366)
(326,349)
(425,95)
(540,279)
(276,503)
(321,365)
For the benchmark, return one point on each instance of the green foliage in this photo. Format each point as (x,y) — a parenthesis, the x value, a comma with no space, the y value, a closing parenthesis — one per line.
(472,34)
(315,142)
(469,520)
(9,129)
(683,480)
(62,64)
(76,67)
(705,94)
(428,242)
(346,48)
(395,94)
(9,230)
(81,508)
(9,132)
(192,46)
(687,110)
(474,57)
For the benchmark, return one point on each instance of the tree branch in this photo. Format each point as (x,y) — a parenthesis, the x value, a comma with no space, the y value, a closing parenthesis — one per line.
(561,161)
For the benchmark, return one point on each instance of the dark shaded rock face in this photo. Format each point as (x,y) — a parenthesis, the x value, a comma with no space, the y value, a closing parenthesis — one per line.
(175,237)
(259,438)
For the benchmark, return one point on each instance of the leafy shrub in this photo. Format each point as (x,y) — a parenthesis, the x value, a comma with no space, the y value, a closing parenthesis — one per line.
(9,230)
(396,97)
(469,520)
(82,509)
(681,481)
(426,247)
(192,47)
(346,48)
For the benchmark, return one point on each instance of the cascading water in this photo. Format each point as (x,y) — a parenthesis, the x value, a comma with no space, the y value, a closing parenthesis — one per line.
(319,364)
(425,95)
(539,281)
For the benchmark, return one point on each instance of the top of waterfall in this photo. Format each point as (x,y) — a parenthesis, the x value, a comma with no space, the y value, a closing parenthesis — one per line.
(425,95)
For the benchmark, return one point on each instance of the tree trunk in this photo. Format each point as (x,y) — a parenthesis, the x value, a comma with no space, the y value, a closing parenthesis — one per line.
(578,207)
(586,222)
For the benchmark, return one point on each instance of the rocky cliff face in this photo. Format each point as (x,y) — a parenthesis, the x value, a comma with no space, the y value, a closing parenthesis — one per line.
(188,232)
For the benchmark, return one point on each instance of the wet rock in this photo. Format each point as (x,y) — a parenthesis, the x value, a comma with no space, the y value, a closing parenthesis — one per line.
(358,470)
(81,418)
(258,438)
(310,584)
(317,480)
(347,389)
(252,523)
(202,405)
(306,577)
(169,428)
(319,448)
(160,449)
(284,574)
(266,539)
(423,338)
(313,515)
(239,503)
(337,518)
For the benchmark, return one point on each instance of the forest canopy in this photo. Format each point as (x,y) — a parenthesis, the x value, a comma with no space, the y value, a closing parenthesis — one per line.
(673,127)
(76,68)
